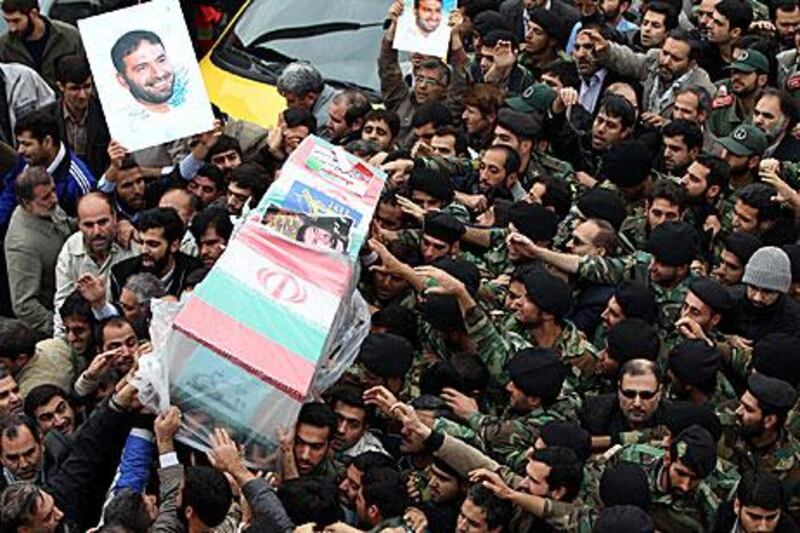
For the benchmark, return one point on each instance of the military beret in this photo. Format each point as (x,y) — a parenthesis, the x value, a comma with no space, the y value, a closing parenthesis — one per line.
(773,393)
(443,312)
(679,415)
(537,372)
(793,251)
(397,319)
(464,271)
(712,293)
(443,226)
(633,338)
(548,21)
(523,125)
(386,355)
(627,518)
(427,180)
(603,204)
(777,355)
(696,448)
(568,435)
(550,293)
(637,301)
(625,483)
(533,220)
(626,164)
(488,21)
(742,245)
(694,362)
(673,243)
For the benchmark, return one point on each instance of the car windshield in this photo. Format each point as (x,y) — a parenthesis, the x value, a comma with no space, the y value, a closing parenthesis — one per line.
(341,38)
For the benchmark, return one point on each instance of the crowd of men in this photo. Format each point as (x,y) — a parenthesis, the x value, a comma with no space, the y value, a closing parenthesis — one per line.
(583,278)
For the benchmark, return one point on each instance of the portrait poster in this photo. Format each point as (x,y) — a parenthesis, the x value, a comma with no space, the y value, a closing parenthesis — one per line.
(146,74)
(327,231)
(423,27)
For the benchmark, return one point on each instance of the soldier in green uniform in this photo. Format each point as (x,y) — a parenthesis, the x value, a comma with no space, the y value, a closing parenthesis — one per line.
(440,236)
(703,308)
(664,201)
(742,150)
(593,203)
(693,369)
(755,437)
(789,73)
(736,97)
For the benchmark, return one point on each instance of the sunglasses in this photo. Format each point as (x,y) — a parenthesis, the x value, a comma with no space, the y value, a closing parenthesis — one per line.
(643,394)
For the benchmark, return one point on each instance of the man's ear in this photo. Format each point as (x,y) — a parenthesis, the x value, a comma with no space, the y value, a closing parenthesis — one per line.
(122,81)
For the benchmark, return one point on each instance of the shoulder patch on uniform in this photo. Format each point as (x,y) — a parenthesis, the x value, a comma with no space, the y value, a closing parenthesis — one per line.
(722,101)
(793,82)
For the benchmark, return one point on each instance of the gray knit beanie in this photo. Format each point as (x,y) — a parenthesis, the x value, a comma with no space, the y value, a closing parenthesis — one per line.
(769,268)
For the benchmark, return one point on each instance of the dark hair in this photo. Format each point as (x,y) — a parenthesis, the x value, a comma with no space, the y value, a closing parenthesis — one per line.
(100,329)
(40,395)
(398,319)
(128,509)
(194,277)
(617,107)
(461,146)
(512,162)
(557,194)
(73,68)
(432,112)
(641,367)
(348,395)
(384,115)
(294,117)
(566,469)
(128,43)
(9,427)
(695,45)
(703,98)
(208,493)
(668,190)
(164,218)
(212,217)
(497,510)
(760,488)
(566,72)
(39,124)
(251,176)
(307,497)
(484,96)
(788,106)
(224,143)
(17,338)
(369,460)
(663,8)
(18,504)
(319,415)
(213,173)
(738,13)
(759,196)
(718,170)
(434,63)
(28,180)
(495,36)
(473,373)
(356,105)
(691,132)
(19,6)
(384,488)
(76,305)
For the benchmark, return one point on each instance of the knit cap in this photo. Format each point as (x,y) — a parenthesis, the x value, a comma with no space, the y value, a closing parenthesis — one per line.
(769,268)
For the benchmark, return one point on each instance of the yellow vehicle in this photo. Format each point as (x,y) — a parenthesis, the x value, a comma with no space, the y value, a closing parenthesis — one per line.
(341,38)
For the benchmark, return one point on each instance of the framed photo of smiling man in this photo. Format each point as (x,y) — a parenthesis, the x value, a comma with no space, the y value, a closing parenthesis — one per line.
(146,74)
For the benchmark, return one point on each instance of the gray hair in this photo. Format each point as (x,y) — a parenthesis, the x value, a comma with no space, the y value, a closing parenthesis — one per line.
(31,178)
(18,504)
(300,79)
(145,287)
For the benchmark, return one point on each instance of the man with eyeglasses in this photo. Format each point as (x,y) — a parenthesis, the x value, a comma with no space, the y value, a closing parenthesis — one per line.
(762,305)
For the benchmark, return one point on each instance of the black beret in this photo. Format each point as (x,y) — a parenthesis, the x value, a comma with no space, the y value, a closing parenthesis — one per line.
(696,448)
(386,355)
(397,319)
(443,226)
(427,180)
(770,392)
(548,21)
(793,251)
(501,207)
(604,204)
(533,220)
(464,271)
(679,415)
(488,21)
(694,362)
(627,518)
(625,484)
(633,338)
(523,125)
(626,164)
(712,293)
(443,312)
(742,245)
(637,301)
(778,355)
(673,243)
(537,372)
(568,435)
(550,293)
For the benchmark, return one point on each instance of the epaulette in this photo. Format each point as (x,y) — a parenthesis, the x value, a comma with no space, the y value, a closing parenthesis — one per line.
(793,82)
(722,101)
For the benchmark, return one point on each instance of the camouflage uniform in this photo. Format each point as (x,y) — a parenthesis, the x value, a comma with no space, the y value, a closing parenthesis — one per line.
(726,111)
(494,261)
(634,229)
(614,270)
(543,165)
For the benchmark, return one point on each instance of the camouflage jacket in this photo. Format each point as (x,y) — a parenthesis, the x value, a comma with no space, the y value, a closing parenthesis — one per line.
(543,165)
(634,229)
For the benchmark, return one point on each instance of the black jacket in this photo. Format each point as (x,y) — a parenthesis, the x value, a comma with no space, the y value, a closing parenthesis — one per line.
(602,416)
(726,518)
(97,135)
(184,264)
(753,323)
